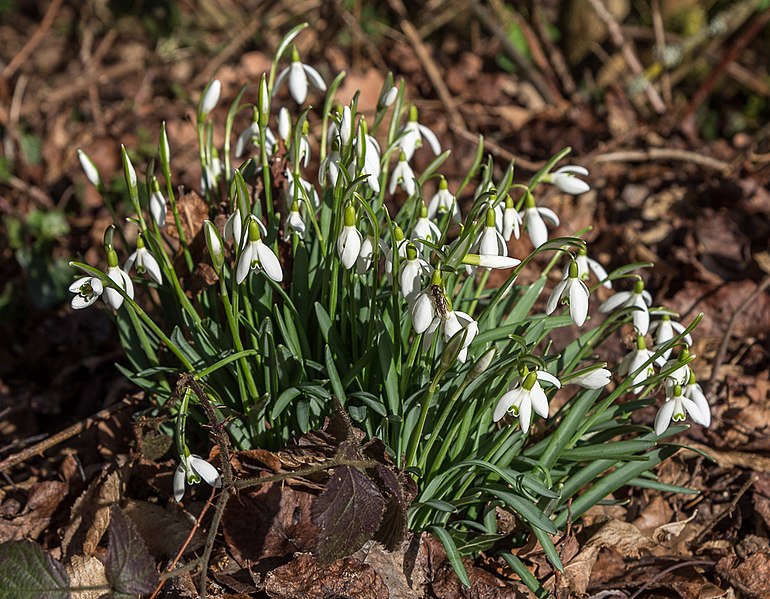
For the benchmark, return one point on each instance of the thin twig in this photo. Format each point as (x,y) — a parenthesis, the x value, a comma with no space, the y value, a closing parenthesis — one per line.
(558,62)
(628,54)
(729,510)
(34,40)
(663,154)
(67,433)
(662,573)
(722,351)
(428,64)
(186,543)
(660,48)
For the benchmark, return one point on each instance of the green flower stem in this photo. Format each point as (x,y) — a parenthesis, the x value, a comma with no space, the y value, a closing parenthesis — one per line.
(438,427)
(143,339)
(233,324)
(166,168)
(414,439)
(266,173)
(406,373)
(479,289)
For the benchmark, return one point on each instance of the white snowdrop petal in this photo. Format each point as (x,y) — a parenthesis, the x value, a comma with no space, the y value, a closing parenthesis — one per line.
(663,417)
(549,215)
(578,302)
(153,269)
(536,228)
(503,405)
(315,77)
(431,138)
(180,478)
(297,82)
(617,300)
(205,470)
(543,375)
(268,261)
(553,299)
(75,287)
(525,412)
(539,401)
(244,264)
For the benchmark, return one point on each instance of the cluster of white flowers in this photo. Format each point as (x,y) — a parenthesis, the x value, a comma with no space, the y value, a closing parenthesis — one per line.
(411,261)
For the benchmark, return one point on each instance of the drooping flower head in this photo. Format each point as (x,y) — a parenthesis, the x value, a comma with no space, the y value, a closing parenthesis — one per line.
(144,262)
(587,265)
(573,291)
(639,299)
(565,179)
(87,290)
(678,405)
(412,133)
(443,202)
(532,218)
(256,256)
(298,74)
(191,470)
(525,395)
(349,240)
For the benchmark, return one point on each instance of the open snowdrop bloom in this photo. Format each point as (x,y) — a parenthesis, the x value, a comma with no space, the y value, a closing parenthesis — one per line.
(425,229)
(571,290)
(191,470)
(250,137)
(443,202)
(257,256)
(635,360)
(403,176)
(693,391)
(87,290)
(111,296)
(350,239)
(411,271)
(490,241)
(532,218)
(586,265)
(525,395)
(144,262)
(511,220)
(664,330)
(677,406)
(310,190)
(638,298)
(681,371)
(565,179)
(365,255)
(158,208)
(451,323)
(294,222)
(298,74)
(412,133)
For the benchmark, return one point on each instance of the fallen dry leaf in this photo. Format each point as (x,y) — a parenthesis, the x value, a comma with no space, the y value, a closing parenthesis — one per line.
(41,504)
(164,530)
(86,572)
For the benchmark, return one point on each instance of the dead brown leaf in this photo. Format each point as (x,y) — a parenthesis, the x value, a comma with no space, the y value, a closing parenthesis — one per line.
(303,578)
(91,514)
(164,531)
(41,504)
(86,572)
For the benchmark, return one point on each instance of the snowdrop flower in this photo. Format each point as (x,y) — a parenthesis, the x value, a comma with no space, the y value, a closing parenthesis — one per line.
(443,201)
(284,124)
(214,245)
(330,166)
(371,155)
(365,255)
(158,207)
(532,218)
(638,298)
(451,323)
(399,242)
(87,290)
(595,378)
(250,135)
(425,229)
(677,406)
(211,172)
(210,97)
(490,242)
(586,265)
(681,371)
(346,126)
(411,136)
(302,155)
(191,470)
(112,297)
(572,290)
(565,179)
(349,241)
(634,360)
(693,391)
(525,395)
(298,74)
(490,261)
(402,175)
(234,227)
(664,330)
(511,220)
(257,256)
(423,310)
(387,97)
(311,192)
(144,262)
(294,222)
(410,273)
(89,168)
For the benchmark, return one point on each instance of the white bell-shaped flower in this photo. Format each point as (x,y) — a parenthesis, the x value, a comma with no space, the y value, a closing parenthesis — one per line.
(680,370)
(587,265)
(249,137)
(677,406)
(89,168)
(158,208)
(490,241)
(532,218)
(511,220)
(664,330)
(593,378)
(403,176)
(639,298)
(633,361)
(573,291)
(524,396)
(310,190)
(144,262)
(412,133)
(191,470)
(410,274)
(565,179)
(443,202)
(423,310)
(350,239)
(210,97)
(257,256)
(449,324)
(87,290)
(295,222)
(425,229)
(112,297)
(365,255)
(298,74)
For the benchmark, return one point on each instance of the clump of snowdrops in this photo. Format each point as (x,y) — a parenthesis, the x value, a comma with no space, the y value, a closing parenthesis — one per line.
(356,282)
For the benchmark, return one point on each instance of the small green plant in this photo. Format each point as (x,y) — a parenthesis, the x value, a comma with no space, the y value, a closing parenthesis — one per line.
(340,287)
